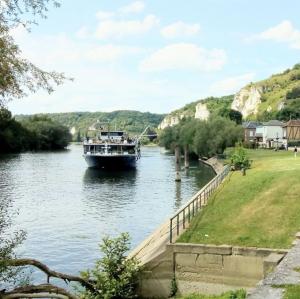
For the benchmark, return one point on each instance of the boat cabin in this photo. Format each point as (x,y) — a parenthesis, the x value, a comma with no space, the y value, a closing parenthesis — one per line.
(110,143)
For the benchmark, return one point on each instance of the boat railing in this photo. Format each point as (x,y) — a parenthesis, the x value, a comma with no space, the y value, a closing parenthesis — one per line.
(182,218)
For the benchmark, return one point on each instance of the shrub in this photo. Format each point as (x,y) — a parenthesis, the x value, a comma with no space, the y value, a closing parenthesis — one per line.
(294,143)
(294,93)
(115,276)
(239,159)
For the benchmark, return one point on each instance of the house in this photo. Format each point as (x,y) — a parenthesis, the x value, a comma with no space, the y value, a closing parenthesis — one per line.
(291,130)
(250,130)
(272,134)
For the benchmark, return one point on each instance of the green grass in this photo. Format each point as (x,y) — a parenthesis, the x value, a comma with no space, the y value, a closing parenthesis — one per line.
(260,209)
(292,292)
(240,294)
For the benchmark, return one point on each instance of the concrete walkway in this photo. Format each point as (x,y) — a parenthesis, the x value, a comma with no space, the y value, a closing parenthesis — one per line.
(284,274)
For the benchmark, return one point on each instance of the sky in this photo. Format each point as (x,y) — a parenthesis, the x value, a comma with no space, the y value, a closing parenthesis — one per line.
(157,55)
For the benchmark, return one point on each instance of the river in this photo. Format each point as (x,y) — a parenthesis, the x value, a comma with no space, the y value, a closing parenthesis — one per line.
(66,208)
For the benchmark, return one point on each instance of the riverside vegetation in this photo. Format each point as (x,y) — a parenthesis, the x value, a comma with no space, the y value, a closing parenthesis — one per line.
(202,138)
(35,133)
(134,122)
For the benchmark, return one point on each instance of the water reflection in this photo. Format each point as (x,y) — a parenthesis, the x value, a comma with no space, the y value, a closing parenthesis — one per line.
(178,195)
(100,176)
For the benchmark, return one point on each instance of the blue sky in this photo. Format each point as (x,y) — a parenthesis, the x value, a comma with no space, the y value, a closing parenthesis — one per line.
(157,55)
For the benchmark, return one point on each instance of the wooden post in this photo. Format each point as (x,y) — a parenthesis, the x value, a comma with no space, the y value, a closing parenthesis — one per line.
(186,157)
(177,161)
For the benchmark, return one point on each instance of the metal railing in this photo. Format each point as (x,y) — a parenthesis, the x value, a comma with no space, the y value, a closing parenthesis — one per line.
(184,215)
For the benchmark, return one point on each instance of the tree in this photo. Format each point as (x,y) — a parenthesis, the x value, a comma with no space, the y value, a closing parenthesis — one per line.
(8,243)
(18,76)
(236,116)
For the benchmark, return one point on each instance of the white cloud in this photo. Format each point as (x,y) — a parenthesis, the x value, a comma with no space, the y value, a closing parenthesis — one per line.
(61,51)
(284,32)
(82,32)
(184,56)
(103,15)
(110,53)
(134,7)
(180,29)
(118,29)
(231,84)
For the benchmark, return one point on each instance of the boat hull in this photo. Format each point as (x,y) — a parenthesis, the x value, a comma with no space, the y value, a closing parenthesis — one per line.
(110,162)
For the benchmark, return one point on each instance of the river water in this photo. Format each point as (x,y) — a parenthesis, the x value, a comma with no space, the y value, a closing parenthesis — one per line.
(66,208)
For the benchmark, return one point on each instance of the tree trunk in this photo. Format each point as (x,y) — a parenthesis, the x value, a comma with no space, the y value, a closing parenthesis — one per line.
(177,162)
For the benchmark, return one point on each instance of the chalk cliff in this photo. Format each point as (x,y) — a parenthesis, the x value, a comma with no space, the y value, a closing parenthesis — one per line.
(247,100)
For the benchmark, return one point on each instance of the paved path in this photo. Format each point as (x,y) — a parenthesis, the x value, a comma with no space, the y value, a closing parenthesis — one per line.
(284,274)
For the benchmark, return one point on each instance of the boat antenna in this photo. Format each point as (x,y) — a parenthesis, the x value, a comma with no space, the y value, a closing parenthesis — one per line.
(143,133)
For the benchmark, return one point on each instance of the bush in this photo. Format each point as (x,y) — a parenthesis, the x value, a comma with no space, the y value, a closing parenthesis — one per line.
(239,159)
(115,276)
(294,143)
(294,93)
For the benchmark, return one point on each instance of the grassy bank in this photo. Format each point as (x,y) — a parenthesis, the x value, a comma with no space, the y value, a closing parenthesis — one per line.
(260,209)
(240,294)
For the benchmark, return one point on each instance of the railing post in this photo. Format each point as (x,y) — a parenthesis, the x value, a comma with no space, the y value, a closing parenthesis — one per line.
(183,220)
(170,230)
(177,224)
(200,200)
(193,208)
(189,213)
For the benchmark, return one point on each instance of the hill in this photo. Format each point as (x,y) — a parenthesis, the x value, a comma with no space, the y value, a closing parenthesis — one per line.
(132,121)
(275,97)
(199,109)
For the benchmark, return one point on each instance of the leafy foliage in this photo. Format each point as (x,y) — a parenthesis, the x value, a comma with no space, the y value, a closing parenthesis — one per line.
(204,138)
(240,159)
(114,274)
(132,121)
(36,133)
(294,93)
(8,243)
(18,76)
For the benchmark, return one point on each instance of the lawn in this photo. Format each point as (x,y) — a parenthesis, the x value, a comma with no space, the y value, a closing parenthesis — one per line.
(240,294)
(261,209)
(292,292)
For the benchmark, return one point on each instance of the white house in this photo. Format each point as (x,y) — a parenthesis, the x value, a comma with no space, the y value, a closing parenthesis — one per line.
(272,134)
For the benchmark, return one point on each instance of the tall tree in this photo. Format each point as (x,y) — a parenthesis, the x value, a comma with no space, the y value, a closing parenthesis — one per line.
(19,76)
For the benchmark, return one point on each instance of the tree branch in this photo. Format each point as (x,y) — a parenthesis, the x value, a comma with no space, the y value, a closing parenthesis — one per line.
(50,273)
(40,295)
(31,291)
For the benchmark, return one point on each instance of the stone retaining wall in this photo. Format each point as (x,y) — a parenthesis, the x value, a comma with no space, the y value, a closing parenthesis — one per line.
(206,269)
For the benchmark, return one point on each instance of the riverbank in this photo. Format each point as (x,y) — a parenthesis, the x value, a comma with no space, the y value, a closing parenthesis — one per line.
(260,209)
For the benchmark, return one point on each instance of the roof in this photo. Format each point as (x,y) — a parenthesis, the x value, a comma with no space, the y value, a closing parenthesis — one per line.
(293,123)
(274,123)
(251,124)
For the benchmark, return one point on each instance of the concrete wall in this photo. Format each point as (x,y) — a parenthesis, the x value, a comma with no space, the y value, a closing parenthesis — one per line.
(206,269)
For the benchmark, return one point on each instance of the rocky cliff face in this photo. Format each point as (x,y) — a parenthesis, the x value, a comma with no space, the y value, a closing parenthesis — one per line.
(247,100)
(173,119)
(202,112)
(169,121)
